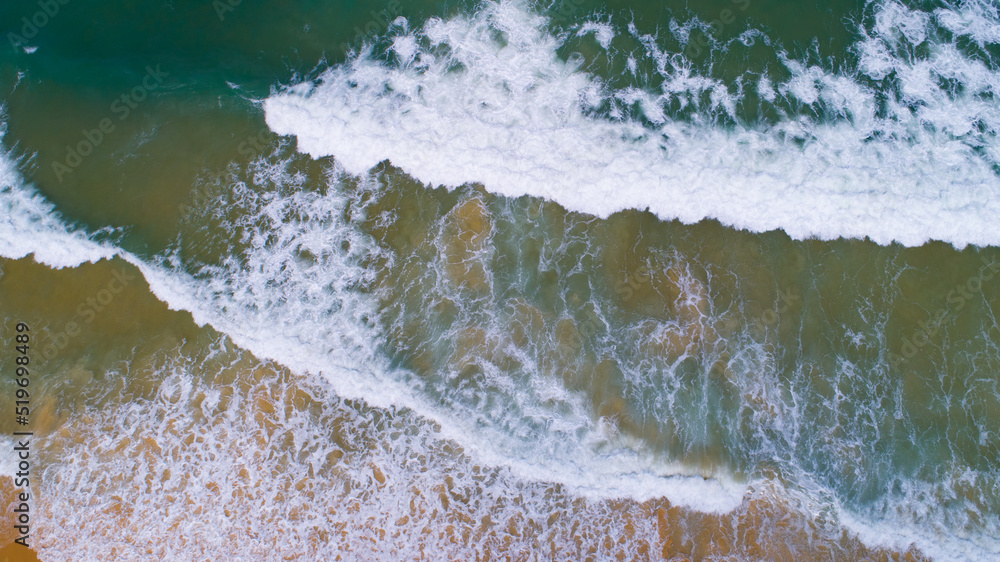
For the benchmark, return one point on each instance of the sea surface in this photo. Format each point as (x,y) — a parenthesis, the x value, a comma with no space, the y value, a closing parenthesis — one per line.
(502,280)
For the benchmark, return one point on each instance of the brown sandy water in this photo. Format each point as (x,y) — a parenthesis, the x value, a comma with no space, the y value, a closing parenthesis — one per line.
(155,436)
(159,438)
(162,439)
(367,367)
(746,357)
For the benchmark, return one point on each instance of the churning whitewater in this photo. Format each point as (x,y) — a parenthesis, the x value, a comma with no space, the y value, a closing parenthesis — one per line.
(898,146)
(269,302)
(557,343)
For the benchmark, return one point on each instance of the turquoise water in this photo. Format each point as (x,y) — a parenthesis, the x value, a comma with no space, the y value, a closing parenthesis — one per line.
(641,252)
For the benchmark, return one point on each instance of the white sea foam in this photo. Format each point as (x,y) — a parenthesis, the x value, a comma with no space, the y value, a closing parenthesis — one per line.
(303,315)
(306,316)
(519,108)
(228,459)
(8,464)
(312,317)
(29,224)
(516,118)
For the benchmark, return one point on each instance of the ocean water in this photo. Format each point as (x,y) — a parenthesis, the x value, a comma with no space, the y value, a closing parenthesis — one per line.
(504,280)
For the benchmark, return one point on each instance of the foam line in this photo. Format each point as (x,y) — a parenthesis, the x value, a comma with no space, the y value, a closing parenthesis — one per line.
(519,120)
(282,317)
(29,224)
